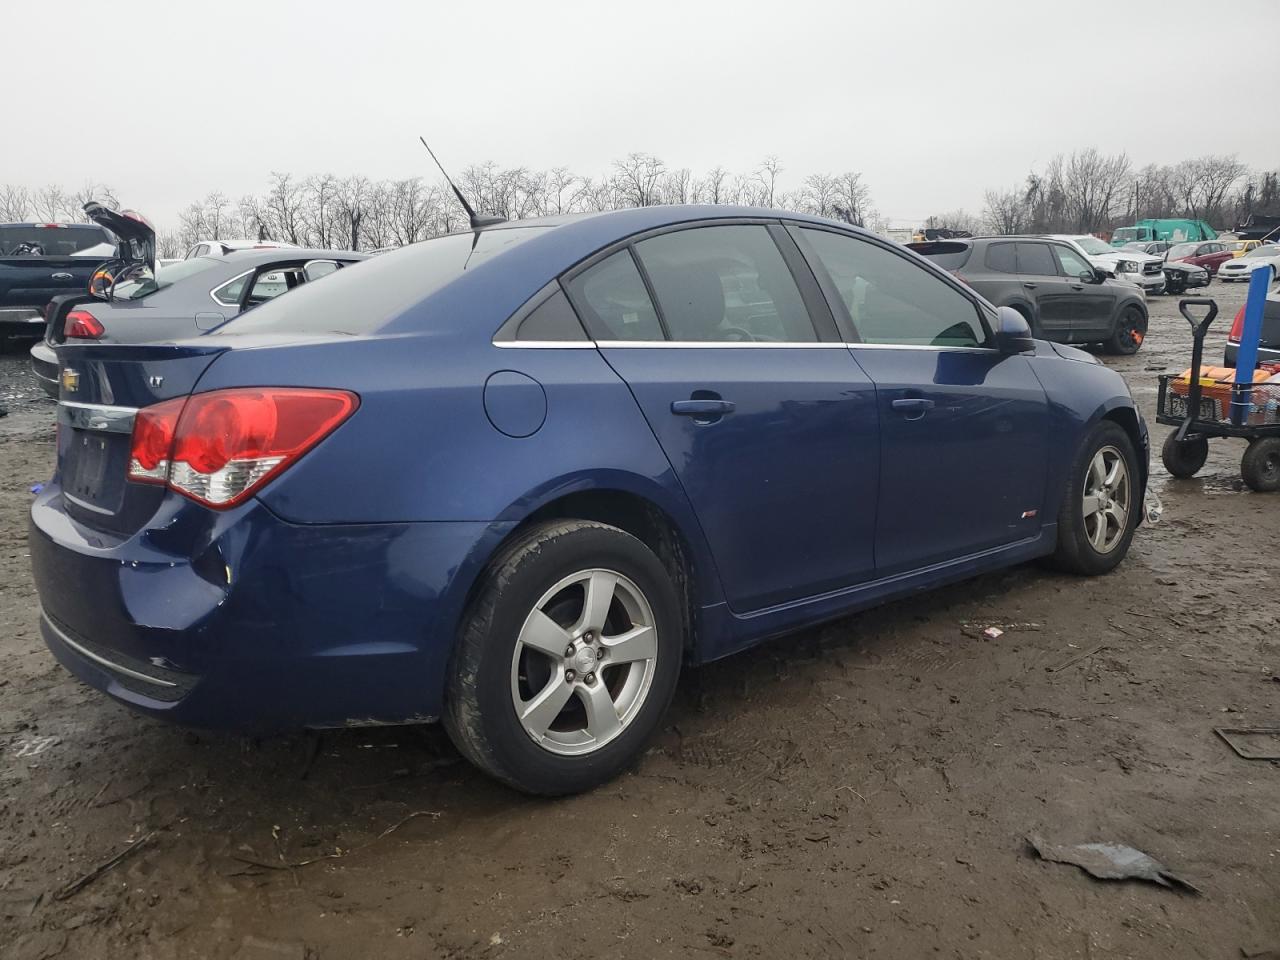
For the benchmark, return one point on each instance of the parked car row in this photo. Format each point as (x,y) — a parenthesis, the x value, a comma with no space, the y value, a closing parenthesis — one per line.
(515,478)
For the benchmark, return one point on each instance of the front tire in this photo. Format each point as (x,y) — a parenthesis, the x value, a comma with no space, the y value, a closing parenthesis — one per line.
(1131,330)
(1184,460)
(1101,503)
(567,660)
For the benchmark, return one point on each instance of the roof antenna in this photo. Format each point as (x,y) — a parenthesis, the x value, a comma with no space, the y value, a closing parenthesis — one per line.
(477,221)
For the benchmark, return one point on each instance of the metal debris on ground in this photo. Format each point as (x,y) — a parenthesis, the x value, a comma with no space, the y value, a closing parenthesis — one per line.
(1110,861)
(992,633)
(1252,743)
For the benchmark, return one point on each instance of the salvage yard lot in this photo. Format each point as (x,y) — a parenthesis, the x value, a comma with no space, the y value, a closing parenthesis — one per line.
(862,789)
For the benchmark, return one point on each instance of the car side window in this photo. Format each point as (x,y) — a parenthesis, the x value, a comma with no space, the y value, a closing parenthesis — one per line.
(1035,260)
(1071,263)
(613,301)
(229,293)
(894,300)
(725,283)
(551,320)
(270,284)
(1001,258)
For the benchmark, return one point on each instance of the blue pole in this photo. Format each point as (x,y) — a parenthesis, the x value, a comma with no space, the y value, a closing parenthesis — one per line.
(1247,353)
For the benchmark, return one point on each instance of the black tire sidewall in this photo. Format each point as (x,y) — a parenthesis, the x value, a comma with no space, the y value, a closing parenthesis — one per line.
(1075,553)
(568,548)
(1184,460)
(1254,463)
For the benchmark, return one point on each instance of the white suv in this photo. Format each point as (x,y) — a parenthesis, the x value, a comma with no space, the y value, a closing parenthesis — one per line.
(1139,268)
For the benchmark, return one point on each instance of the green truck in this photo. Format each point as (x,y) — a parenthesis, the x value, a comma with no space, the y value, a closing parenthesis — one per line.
(1171,231)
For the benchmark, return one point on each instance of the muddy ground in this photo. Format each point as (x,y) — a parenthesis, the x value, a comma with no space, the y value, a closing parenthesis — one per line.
(860,790)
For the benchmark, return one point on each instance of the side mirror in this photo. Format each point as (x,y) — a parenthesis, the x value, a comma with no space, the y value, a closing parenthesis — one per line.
(1013,333)
(1089,276)
(1099,276)
(315,269)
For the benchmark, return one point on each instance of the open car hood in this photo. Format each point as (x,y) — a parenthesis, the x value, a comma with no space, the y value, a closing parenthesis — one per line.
(137,237)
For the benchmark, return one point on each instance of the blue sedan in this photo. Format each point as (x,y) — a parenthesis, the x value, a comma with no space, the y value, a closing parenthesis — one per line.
(514,479)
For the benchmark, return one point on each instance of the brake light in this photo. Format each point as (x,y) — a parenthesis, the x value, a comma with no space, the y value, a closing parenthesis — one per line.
(51,226)
(82,325)
(1237,327)
(219,448)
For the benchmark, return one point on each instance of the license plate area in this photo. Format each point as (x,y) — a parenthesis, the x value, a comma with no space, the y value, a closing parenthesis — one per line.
(94,469)
(1178,406)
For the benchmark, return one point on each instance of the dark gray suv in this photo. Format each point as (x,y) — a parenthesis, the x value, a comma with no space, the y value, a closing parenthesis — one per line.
(1059,292)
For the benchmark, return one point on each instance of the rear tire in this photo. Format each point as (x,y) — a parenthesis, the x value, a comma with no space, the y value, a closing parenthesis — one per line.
(1260,465)
(1184,459)
(1131,330)
(1100,505)
(527,702)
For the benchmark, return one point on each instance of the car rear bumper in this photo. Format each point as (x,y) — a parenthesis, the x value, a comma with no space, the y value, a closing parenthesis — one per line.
(1267,354)
(44,364)
(265,625)
(21,323)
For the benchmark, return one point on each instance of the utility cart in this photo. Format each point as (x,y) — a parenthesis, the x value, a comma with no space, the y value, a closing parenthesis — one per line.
(1204,403)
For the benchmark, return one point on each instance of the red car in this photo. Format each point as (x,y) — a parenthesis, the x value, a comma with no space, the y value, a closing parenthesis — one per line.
(1210,254)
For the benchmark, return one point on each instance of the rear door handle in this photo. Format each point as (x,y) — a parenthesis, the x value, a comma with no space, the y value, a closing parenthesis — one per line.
(913,408)
(62,276)
(1029,286)
(701,408)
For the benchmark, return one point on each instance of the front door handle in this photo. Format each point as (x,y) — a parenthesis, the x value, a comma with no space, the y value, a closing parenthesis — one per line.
(61,276)
(913,408)
(1077,286)
(1029,286)
(702,409)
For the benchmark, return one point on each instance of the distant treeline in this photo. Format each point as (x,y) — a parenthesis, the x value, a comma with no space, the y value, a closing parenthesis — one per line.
(1085,191)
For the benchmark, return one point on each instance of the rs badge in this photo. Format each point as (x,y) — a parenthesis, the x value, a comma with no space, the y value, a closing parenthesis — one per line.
(70,380)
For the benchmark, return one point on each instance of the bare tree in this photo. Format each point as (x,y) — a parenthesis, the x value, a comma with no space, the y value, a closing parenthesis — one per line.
(282,209)
(852,198)
(711,188)
(1005,211)
(768,175)
(15,203)
(638,176)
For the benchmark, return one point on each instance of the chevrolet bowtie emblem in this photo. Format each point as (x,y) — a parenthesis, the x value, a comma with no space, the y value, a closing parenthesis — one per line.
(70,380)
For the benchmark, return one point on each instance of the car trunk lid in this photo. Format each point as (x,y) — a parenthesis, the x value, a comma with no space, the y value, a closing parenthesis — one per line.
(102,386)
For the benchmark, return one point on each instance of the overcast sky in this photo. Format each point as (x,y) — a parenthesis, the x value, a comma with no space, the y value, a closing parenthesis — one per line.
(932,100)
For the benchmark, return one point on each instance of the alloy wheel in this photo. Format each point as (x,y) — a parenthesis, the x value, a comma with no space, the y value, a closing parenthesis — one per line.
(1106,500)
(584,662)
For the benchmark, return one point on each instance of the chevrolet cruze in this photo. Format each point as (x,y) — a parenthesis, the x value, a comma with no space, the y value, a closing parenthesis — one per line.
(514,479)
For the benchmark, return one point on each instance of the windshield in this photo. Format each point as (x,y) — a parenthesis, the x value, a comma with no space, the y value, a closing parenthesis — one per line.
(1092,245)
(1265,250)
(1140,247)
(1126,233)
(55,240)
(1183,250)
(364,298)
(146,284)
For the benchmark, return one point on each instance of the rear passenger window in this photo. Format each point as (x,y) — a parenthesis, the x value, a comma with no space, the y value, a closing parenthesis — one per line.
(726,283)
(614,302)
(1001,258)
(892,300)
(551,320)
(1037,260)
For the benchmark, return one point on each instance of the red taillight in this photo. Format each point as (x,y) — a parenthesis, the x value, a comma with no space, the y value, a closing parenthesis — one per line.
(1237,327)
(82,325)
(218,448)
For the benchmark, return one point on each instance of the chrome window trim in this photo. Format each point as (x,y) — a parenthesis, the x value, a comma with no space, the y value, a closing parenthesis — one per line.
(97,416)
(101,660)
(718,344)
(213,294)
(546,344)
(919,346)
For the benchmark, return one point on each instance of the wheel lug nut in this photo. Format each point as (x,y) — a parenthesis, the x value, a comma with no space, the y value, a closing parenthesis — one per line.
(568,651)
(570,676)
(590,678)
(600,653)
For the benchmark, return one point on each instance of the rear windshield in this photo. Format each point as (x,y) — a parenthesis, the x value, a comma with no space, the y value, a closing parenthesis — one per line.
(1266,250)
(947,254)
(24,240)
(1183,250)
(164,277)
(363,297)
